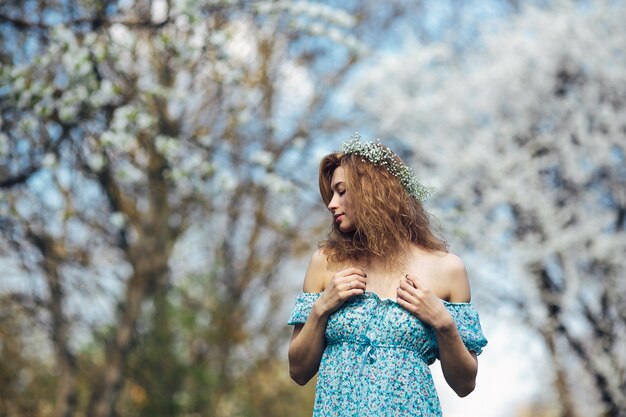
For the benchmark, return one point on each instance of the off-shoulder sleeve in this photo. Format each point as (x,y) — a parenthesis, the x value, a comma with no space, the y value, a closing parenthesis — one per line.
(468,324)
(302,309)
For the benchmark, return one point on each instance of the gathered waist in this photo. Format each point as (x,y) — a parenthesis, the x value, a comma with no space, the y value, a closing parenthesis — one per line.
(369,342)
(368,350)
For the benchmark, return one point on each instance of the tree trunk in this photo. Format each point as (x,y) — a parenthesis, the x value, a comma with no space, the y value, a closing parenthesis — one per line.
(140,287)
(53,254)
(551,292)
(149,256)
(568,408)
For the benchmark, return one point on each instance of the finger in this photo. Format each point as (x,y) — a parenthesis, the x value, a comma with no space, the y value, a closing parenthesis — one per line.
(340,280)
(358,283)
(405,295)
(353,288)
(352,271)
(353,284)
(357,291)
(407,286)
(406,305)
(354,277)
(403,302)
(414,280)
(361,279)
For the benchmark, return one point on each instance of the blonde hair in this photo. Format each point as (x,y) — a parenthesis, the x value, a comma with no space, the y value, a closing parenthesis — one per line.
(386,216)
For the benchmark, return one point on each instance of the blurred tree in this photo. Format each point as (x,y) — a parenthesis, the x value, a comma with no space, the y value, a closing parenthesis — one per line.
(525,135)
(126,123)
(156,372)
(152,154)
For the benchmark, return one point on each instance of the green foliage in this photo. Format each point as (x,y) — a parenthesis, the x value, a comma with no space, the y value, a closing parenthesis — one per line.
(155,371)
(185,363)
(27,387)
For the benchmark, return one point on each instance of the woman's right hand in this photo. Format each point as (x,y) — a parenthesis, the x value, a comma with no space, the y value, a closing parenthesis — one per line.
(344,285)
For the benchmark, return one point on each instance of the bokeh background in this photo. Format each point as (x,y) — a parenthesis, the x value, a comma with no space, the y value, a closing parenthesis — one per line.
(158,169)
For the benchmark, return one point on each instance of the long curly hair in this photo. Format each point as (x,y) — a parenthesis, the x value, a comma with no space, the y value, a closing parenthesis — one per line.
(386,216)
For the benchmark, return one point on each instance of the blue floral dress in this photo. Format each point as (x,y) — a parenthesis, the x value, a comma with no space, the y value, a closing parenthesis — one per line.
(377,356)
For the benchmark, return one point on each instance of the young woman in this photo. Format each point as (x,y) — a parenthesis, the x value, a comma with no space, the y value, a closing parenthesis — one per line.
(382,296)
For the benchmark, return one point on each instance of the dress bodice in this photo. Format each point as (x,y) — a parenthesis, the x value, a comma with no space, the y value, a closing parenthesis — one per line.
(385,322)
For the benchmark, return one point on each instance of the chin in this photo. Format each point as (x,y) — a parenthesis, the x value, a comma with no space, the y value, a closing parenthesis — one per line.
(346,229)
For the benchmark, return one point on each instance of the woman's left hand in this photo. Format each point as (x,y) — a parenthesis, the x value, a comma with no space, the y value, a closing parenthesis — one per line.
(419,300)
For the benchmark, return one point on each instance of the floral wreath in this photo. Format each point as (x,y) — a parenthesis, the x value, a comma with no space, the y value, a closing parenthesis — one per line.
(379,154)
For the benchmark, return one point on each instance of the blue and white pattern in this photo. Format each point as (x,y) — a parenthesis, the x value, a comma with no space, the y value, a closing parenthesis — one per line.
(377,356)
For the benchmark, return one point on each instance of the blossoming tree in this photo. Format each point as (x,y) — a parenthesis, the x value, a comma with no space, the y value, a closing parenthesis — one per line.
(524,135)
(152,154)
(124,124)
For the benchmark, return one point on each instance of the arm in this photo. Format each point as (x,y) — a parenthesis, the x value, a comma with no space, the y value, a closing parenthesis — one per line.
(308,340)
(458,364)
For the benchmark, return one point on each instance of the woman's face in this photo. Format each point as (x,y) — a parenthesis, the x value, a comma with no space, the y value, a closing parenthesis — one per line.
(339,204)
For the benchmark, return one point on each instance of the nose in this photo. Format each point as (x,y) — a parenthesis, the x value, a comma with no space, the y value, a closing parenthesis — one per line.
(333,205)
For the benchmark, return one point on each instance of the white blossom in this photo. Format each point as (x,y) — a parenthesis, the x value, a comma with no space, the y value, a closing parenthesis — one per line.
(76,61)
(299,143)
(19,83)
(44,108)
(192,164)
(104,95)
(129,174)
(121,35)
(100,50)
(68,112)
(64,35)
(121,141)
(287,216)
(313,10)
(130,118)
(263,158)
(167,146)
(205,140)
(49,160)
(159,10)
(90,39)
(95,161)
(182,22)
(277,183)
(144,121)
(28,124)
(226,181)
(118,219)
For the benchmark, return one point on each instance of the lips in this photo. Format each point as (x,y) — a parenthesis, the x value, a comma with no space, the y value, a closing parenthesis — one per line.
(338,218)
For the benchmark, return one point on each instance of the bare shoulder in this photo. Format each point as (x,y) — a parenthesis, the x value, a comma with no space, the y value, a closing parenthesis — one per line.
(318,273)
(444,272)
(452,264)
(452,270)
